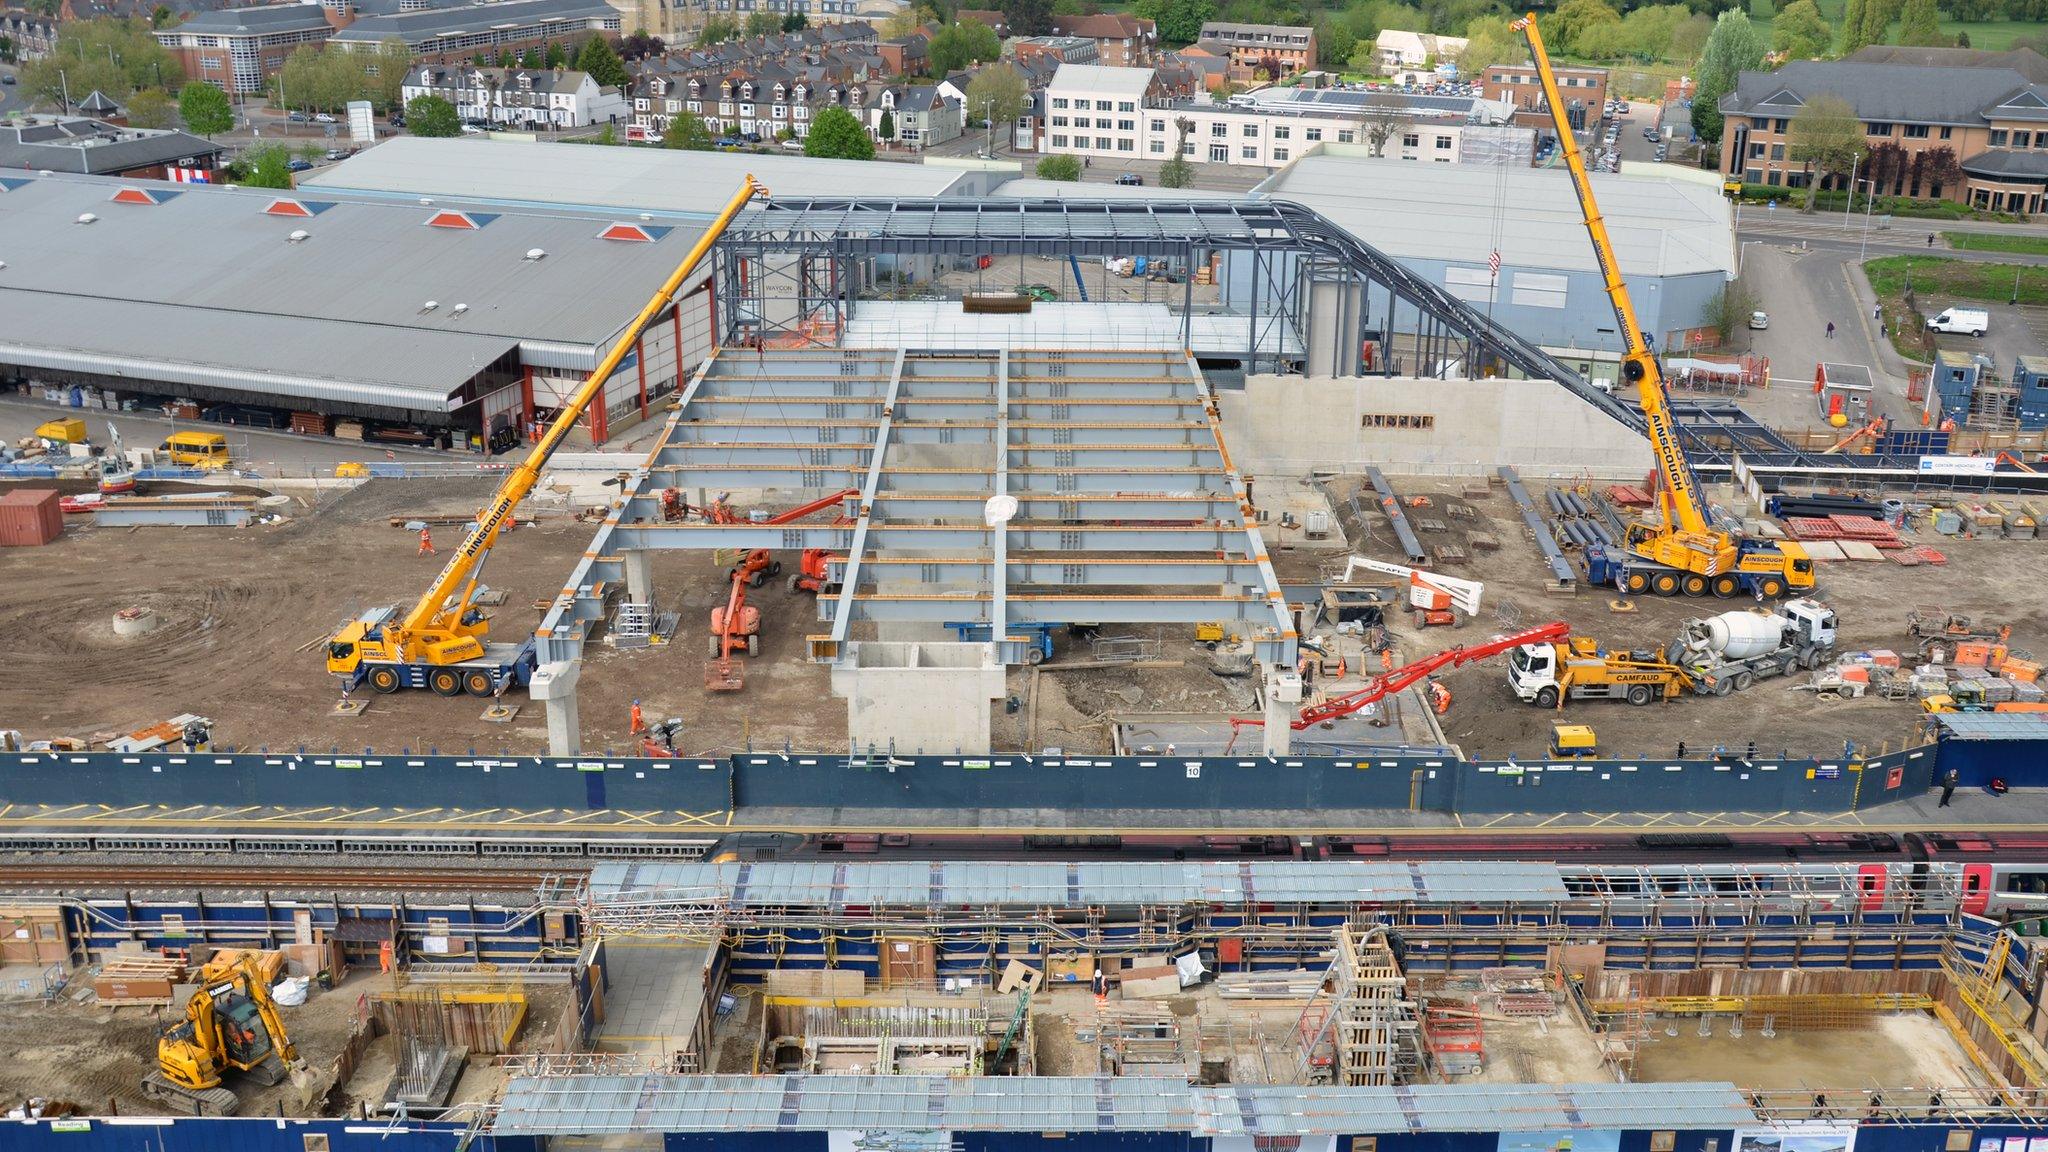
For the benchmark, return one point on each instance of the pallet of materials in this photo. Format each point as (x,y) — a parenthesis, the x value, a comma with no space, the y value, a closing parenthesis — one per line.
(1867,530)
(145,979)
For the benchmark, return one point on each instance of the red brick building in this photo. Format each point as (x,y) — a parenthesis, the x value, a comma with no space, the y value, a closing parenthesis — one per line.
(1121,41)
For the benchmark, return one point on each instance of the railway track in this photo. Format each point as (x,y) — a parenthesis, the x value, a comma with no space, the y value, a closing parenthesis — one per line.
(59,877)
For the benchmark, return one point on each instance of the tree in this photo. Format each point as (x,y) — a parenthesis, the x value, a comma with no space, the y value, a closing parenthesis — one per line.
(885,130)
(1729,310)
(607,135)
(7,49)
(556,56)
(1877,19)
(836,135)
(907,21)
(118,57)
(205,109)
(1689,39)
(266,167)
(796,22)
(1179,21)
(1065,169)
(386,88)
(1852,26)
(1734,48)
(958,45)
(1919,25)
(999,95)
(1827,137)
(687,131)
(506,59)
(532,58)
(1334,43)
(1574,17)
(640,45)
(1028,17)
(602,64)
(1177,172)
(1382,122)
(717,30)
(1800,32)
(432,116)
(154,108)
(763,24)
(1491,42)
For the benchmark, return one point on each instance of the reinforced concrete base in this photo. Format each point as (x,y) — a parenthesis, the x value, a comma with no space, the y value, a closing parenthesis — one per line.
(930,697)
(554,685)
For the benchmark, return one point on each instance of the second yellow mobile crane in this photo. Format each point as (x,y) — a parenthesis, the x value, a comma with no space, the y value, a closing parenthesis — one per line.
(1685,552)
(439,643)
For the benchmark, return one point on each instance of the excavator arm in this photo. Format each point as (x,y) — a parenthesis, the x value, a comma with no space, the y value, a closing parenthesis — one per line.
(1683,508)
(438,629)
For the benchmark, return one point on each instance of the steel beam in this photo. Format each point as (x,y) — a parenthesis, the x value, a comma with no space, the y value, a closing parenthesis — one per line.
(1280,647)
(976,607)
(858,540)
(1223,539)
(891,505)
(999,541)
(1074,571)
(1073,481)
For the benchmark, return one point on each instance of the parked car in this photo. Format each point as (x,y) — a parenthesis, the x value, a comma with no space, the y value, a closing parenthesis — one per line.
(471,130)
(1974,321)
(1131,179)
(322,118)
(299,164)
(751,137)
(8,78)
(337,154)
(298,117)
(795,145)
(1759,320)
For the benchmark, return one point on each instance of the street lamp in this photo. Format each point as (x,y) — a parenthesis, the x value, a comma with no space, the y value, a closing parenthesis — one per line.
(1869,198)
(1740,249)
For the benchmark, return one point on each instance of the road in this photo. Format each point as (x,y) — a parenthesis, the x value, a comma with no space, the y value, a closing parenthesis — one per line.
(272,453)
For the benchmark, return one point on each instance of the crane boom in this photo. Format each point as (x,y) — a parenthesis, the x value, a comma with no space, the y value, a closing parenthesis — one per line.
(1683,508)
(443,628)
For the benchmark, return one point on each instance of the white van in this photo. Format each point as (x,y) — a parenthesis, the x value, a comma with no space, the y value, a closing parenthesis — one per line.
(1971,320)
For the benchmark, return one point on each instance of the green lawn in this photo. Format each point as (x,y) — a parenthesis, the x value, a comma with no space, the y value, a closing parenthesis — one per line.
(1998,242)
(1963,279)
(1991,35)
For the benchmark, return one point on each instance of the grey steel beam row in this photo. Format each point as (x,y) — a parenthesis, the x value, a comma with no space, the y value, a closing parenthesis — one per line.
(1074,481)
(1226,539)
(1560,568)
(1062,571)
(1390,503)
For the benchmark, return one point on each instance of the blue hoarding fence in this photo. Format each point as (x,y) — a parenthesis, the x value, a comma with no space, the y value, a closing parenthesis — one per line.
(1724,781)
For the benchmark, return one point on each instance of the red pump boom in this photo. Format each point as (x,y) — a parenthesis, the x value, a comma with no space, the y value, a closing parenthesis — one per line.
(1387,683)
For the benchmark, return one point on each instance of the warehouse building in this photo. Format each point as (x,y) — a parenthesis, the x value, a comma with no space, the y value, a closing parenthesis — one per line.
(661,183)
(1675,239)
(409,323)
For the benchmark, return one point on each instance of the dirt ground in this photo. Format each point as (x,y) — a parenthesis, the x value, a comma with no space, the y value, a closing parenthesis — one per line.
(1983,579)
(237,604)
(96,1057)
(1891,1051)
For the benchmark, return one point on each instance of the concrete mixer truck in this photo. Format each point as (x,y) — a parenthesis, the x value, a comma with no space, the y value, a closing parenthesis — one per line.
(1729,652)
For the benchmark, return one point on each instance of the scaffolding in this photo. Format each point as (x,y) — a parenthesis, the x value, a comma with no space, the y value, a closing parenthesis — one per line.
(1360,1030)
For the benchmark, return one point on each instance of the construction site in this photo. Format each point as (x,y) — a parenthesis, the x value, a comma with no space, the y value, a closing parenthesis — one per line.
(867,700)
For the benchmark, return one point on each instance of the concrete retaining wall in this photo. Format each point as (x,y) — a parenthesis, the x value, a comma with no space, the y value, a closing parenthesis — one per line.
(1291,425)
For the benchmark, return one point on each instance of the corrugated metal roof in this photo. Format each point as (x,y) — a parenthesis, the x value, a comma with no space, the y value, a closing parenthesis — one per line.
(600,1104)
(577,176)
(1993,725)
(292,357)
(1450,212)
(214,249)
(837,884)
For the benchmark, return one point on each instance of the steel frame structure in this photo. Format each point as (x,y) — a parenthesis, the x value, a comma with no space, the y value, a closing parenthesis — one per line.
(792,268)
(1128,508)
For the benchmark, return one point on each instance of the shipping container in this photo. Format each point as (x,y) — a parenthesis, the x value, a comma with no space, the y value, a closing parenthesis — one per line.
(30,516)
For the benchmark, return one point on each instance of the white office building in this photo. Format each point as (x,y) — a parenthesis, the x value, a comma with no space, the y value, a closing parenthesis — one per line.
(1096,111)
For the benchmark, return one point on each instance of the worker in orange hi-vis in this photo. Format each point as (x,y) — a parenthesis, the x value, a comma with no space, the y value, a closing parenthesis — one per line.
(637,726)
(1439,698)
(1386,659)
(426,541)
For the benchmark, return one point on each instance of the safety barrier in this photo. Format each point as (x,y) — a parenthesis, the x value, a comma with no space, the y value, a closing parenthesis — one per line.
(1439,783)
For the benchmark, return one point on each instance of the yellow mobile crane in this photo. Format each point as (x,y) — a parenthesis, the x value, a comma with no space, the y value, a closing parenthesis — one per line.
(1686,552)
(440,644)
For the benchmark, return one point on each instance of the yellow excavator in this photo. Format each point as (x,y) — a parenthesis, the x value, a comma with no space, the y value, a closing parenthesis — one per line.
(1684,552)
(439,644)
(231,1024)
